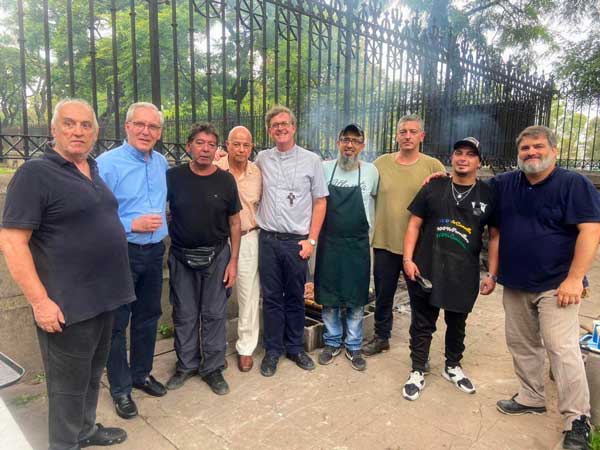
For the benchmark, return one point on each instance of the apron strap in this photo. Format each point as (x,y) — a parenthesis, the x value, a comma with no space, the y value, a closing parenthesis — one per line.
(333,173)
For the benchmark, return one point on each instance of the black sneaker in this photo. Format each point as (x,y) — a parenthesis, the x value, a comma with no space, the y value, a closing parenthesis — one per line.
(578,437)
(216,382)
(328,353)
(513,408)
(268,366)
(125,407)
(302,360)
(414,385)
(356,360)
(104,436)
(375,345)
(178,378)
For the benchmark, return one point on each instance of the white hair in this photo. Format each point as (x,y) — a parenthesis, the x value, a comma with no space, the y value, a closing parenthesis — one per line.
(135,106)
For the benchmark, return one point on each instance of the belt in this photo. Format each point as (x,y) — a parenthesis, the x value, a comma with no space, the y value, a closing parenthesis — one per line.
(144,246)
(244,233)
(285,236)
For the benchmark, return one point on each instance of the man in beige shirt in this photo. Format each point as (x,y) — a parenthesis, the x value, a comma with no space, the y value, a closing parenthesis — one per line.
(401,175)
(249,181)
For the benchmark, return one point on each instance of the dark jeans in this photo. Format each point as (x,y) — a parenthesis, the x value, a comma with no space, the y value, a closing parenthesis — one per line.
(422,326)
(387,267)
(199,300)
(282,278)
(146,263)
(74,360)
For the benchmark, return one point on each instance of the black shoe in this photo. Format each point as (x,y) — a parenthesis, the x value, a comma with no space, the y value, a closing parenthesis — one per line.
(512,408)
(328,353)
(302,360)
(178,378)
(356,359)
(151,387)
(125,406)
(216,382)
(578,437)
(268,366)
(375,345)
(104,436)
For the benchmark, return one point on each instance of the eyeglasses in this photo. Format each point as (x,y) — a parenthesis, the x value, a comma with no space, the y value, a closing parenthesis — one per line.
(238,145)
(280,125)
(353,141)
(140,126)
(201,143)
(70,125)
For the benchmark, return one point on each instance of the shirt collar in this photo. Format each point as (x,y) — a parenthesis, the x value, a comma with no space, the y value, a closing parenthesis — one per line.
(135,153)
(541,183)
(52,155)
(223,163)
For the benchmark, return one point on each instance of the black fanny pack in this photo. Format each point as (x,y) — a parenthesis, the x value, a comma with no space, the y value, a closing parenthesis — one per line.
(197,258)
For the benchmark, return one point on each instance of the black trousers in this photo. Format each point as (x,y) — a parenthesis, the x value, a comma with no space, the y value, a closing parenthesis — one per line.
(422,326)
(199,300)
(387,267)
(74,360)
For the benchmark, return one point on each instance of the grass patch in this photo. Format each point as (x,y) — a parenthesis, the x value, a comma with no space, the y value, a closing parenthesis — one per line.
(39,378)
(165,331)
(24,399)
(595,442)
(6,170)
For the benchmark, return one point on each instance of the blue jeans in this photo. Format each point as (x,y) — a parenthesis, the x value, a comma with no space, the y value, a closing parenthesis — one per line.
(282,278)
(332,317)
(146,263)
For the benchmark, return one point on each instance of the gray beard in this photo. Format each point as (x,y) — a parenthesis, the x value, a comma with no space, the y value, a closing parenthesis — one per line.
(347,163)
(533,169)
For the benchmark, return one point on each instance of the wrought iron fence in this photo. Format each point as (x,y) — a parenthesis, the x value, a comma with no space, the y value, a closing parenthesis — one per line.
(228,61)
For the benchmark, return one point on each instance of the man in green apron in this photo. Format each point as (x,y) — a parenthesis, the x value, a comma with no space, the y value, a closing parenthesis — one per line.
(342,270)
(441,261)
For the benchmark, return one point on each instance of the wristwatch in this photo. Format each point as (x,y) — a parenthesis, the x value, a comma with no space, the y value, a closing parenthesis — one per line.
(312,242)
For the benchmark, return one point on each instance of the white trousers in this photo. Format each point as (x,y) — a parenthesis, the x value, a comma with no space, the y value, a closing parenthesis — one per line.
(246,290)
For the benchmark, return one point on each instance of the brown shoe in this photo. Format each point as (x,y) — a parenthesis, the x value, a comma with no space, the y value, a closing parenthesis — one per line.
(245,363)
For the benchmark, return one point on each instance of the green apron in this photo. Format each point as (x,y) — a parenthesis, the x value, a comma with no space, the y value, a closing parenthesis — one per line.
(343,261)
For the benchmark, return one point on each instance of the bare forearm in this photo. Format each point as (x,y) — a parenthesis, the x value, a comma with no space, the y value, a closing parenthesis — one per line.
(318,216)
(493,251)
(585,250)
(21,267)
(411,237)
(235,230)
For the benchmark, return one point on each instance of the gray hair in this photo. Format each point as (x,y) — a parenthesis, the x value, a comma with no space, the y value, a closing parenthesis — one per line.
(138,105)
(73,101)
(411,118)
(278,109)
(537,131)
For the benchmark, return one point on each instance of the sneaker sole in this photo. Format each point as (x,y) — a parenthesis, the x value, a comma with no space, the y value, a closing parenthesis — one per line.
(521,413)
(447,377)
(407,397)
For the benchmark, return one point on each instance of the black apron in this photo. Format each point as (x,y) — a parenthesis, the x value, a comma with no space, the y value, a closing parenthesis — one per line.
(343,261)
(455,254)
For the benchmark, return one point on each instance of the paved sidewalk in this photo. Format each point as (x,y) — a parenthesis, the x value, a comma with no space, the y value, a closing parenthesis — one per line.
(335,407)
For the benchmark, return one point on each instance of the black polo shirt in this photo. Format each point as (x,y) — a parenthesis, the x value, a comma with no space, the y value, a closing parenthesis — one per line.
(78,242)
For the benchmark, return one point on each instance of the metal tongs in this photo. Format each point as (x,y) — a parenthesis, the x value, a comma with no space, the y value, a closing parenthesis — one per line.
(424,283)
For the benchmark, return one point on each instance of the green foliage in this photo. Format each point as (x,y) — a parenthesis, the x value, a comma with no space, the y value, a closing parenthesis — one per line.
(580,67)
(165,331)
(25,399)
(595,440)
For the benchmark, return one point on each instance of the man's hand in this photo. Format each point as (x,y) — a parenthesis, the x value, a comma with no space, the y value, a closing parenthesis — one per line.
(411,270)
(434,176)
(48,316)
(569,292)
(230,274)
(306,249)
(487,285)
(220,153)
(147,223)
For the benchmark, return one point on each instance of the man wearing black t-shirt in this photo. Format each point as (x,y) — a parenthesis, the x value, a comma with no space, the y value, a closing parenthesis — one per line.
(441,260)
(205,208)
(66,248)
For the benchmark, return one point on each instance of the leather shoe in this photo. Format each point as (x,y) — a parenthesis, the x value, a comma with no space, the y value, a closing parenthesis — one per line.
(302,360)
(216,382)
(125,407)
(268,366)
(178,378)
(245,363)
(104,436)
(151,387)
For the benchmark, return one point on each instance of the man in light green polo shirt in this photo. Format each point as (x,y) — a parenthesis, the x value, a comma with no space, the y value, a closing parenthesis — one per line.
(401,175)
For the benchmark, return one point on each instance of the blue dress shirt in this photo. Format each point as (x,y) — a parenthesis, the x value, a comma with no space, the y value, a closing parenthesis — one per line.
(140,186)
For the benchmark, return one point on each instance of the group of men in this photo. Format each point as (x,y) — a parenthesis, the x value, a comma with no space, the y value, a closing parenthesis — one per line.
(233,223)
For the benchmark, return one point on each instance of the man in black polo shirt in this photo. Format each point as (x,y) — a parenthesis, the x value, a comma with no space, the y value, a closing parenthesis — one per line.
(549,231)
(65,247)
(205,208)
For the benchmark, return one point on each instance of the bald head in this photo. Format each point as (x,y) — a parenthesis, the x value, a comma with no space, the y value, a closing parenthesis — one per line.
(239,145)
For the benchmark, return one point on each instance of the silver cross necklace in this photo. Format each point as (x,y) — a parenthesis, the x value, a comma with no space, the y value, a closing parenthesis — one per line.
(460,196)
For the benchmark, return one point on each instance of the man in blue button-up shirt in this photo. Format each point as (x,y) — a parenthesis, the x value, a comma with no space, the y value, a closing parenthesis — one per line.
(136,175)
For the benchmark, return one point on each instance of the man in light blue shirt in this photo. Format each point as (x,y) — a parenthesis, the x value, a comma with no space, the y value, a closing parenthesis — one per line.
(135,173)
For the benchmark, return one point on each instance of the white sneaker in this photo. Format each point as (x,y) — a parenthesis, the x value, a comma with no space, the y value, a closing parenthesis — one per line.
(456,376)
(414,385)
